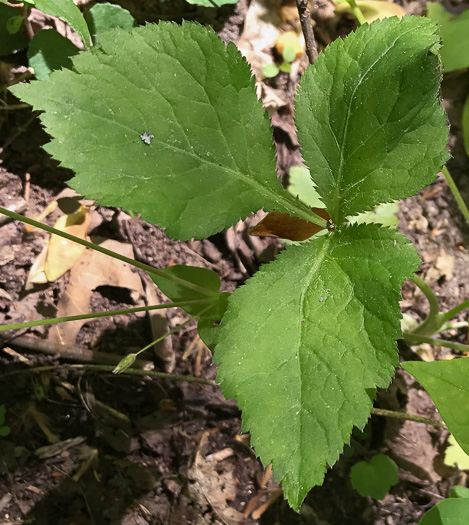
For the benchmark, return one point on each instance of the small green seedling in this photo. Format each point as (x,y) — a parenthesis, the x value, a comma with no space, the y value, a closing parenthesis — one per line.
(4,430)
(272,70)
(374,478)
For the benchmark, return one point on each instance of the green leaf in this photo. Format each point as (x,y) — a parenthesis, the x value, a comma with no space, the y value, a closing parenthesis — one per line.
(304,340)
(455,456)
(270,70)
(384,214)
(14,24)
(289,54)
(211,161)
(454,31)
(285,67)
(103,17)
(68,11)
(459,492)
(208,324)
(191,283)
(300,185)
(368,116)
(447,383)
(452,511)
(4,431)
(9,43)
(194,283)
(465,125)
(374,478)
(211,3)
(49,51)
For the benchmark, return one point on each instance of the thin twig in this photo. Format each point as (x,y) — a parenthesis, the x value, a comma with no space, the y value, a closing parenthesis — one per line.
(14,107)
(408,417)
(19,130)
(105,368)
(307,27)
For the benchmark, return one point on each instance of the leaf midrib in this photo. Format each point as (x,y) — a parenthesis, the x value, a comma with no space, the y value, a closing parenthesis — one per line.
(318,260)
(340,174)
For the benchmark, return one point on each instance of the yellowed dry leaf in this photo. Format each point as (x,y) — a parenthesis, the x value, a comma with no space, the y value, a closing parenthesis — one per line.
(281,225)
(52,206)
(36,273)
(62,254)
(372,9)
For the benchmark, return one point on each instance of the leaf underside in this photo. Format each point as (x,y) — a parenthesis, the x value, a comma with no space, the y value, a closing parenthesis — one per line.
(211,159)
(369,118)
(305,338)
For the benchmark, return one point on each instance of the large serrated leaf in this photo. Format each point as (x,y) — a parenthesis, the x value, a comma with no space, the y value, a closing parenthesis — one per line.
(447,383)
(164,120)
(368,116)
(303,341)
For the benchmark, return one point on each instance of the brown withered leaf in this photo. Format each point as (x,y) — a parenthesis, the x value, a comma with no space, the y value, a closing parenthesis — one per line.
(282,226)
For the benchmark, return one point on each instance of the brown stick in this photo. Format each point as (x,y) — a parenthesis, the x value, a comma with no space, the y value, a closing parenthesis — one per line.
(307,27)
(70,352)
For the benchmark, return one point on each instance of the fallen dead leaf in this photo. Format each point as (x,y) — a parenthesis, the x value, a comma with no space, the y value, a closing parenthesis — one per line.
(94,269)
(62,254)
(283,226)
(217,481)
(59,254)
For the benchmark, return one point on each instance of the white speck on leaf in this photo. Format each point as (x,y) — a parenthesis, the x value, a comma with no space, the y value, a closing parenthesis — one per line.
(147,137)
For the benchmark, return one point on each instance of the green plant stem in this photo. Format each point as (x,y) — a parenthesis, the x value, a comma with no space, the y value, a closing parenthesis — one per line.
(42,322)
(173,331)
(412,337)
(456,193)
(167,334)
(357,13)
(455,311)
(434,319)
(105,251)
(106,368)
(408,417)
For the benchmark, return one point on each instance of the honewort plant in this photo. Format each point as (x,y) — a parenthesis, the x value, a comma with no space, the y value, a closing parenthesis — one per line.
(304,344)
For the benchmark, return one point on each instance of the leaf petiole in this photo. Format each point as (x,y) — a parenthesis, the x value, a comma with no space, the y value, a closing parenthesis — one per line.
(42,322)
